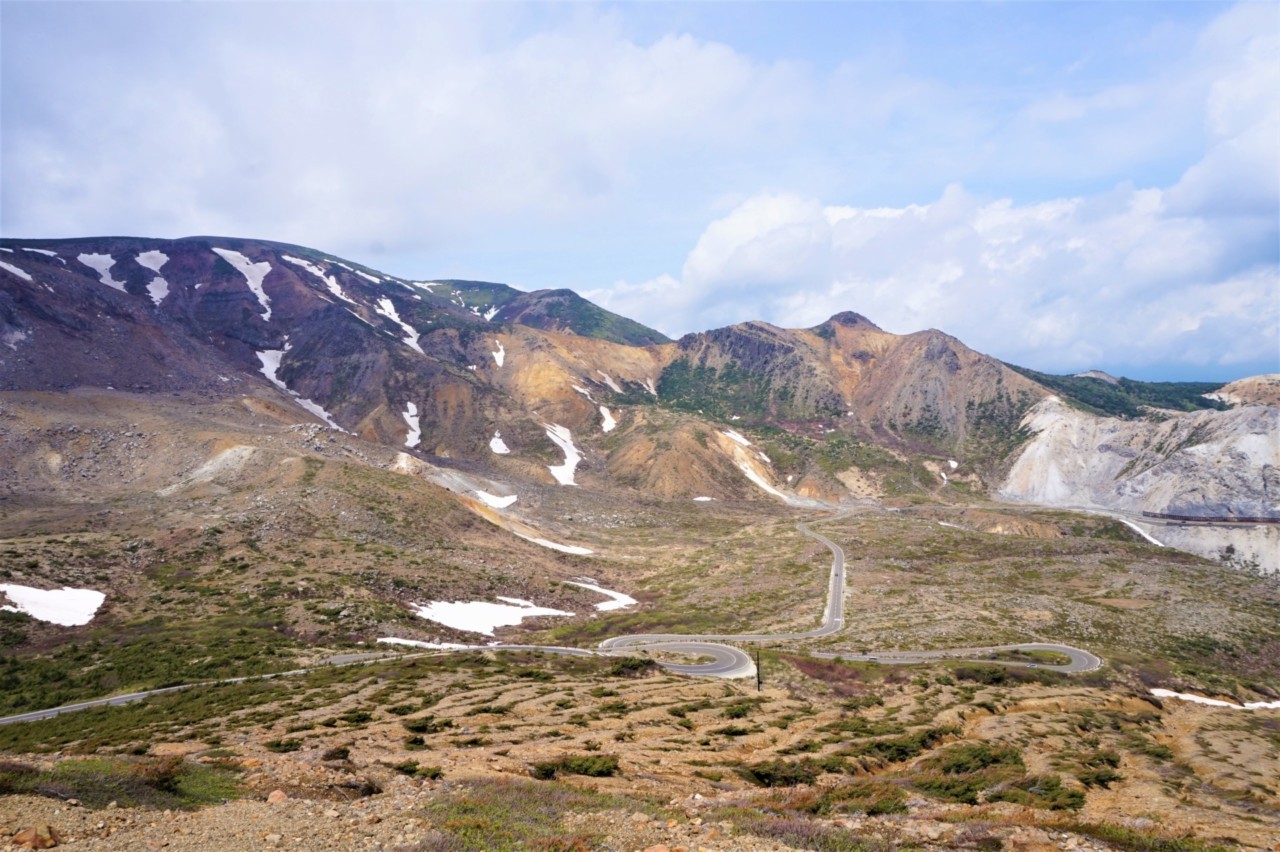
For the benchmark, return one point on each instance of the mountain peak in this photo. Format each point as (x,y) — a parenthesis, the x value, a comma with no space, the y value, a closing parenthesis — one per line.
(849,318)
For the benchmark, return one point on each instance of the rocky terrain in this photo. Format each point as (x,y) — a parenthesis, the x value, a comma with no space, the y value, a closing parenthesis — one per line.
(1208,465)
(231,458)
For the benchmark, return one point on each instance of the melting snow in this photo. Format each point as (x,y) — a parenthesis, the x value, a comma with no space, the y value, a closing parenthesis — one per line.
(102,263)
(607,423)
(388,310)
(1214,702)
(617,600)
(253,273)
(648,385)
(494,500)
(68,607)
(329,281)
(270,359)
(954,464)
(45,252)
(13,338)
(608,380)
(563,548)
(497,445)
(729,433)
(373,278)
(23,274)
(154,260)
(564,440)
(759,480)
(499,354)
(584,392)
(490,314)
(481,616)
(435,646)
(410,416)
(1140,531)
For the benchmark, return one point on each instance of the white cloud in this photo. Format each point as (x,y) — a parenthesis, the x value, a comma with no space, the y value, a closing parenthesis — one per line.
(1073,283)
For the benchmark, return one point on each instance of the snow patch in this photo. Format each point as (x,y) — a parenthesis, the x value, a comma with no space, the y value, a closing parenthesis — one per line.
(490,314)
(388,310)
(330,282)
(410,415)
(481,616)
(434,646)
(563,439)
(648,385)
(158,288)
(954,464)
(366,276)
(617,600)
(760,481)
(1215,702)
(608,380)
(46,253)
(584,392)
(1140,531)
(102,264)
(21,273)
(494,500)
(703,499)
(270,359)
(563,548)
(607,423)
(253,273)
(729,433)
(66,606)
(497,445)
(499,354)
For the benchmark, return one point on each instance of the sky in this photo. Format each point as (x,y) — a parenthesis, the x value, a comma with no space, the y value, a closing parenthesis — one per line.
(1065,186)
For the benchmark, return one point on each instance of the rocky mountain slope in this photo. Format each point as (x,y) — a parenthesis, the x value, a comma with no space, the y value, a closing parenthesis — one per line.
(547,386)
(1220,466)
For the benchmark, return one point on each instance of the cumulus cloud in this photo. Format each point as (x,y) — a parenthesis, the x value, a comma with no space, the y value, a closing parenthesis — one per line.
(1169,280)
(345,124)
(1070,283)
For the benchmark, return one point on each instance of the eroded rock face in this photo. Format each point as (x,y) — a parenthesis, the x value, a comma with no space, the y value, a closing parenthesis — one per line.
(1206,464)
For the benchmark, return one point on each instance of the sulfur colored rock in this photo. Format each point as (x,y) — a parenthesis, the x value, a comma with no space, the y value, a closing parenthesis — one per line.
(37,837)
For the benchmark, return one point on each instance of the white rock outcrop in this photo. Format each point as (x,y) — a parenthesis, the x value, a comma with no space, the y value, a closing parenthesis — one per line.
(1203,464)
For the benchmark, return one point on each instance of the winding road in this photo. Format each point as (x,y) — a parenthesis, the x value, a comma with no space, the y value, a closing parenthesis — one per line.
(731,662)
(726,661)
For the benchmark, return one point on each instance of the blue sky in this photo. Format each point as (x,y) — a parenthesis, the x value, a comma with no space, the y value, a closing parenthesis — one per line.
(1060,185)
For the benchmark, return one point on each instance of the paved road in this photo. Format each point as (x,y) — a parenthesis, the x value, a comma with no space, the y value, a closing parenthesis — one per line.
(1080,660)
(726,661)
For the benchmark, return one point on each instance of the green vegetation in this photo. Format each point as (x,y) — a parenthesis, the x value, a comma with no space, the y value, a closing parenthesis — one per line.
(159,782)
(509,815)
(1127,396)
(591,765)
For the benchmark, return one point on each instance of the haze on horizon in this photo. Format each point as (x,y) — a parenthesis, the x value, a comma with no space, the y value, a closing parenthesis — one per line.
(1063,186)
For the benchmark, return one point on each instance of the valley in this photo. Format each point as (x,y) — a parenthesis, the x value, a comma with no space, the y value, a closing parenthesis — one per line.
(264,470)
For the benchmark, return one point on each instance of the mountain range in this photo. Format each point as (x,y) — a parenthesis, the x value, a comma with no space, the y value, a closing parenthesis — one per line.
(226,458)
(451,369)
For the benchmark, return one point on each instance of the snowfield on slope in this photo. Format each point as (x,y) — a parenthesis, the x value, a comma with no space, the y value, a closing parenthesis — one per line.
(270,359)
(155,260)
(410,415)
(563,439)
(102,264)
(66,606)
(482,616)
(253,273)
(617,600)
